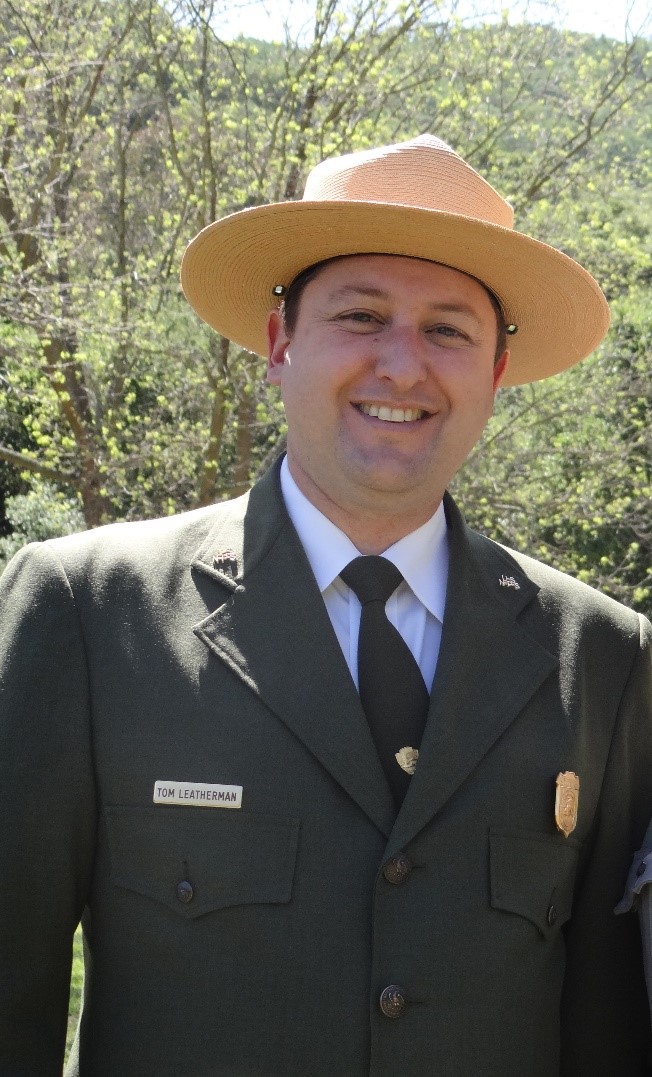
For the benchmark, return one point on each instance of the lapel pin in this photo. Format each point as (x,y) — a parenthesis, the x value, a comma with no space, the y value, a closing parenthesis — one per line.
(226,561)
(566,801)
(407,759)
(509,581)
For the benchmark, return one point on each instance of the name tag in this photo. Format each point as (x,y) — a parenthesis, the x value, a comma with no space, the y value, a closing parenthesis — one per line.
(198,795)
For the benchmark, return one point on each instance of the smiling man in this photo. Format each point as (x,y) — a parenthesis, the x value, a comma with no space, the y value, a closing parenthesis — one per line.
(388,379)
(335,784)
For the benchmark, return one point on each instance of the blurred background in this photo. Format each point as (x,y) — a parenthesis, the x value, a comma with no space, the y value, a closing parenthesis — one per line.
(127,125)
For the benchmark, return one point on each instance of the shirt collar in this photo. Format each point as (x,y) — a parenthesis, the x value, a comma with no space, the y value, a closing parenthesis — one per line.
(327,548)
(421,556)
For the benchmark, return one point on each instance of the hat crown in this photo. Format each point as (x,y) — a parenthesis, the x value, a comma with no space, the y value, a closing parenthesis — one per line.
(424,173)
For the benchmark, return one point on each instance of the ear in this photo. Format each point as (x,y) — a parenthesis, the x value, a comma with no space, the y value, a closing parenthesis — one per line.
(499,368)
(277,342)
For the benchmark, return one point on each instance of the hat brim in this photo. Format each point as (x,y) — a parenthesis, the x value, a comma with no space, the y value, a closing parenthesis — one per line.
(230,268)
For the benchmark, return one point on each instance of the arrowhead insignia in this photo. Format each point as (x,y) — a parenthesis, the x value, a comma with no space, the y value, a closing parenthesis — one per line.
(407,759)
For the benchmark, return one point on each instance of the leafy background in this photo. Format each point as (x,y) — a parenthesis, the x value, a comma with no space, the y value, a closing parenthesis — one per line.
(127,125)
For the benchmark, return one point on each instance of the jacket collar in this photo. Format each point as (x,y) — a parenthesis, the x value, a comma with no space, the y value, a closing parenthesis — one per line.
(488,669)
(274,632)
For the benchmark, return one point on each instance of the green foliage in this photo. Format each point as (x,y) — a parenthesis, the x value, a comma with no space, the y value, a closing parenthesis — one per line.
(40,514)
(127,125)
(564,471)
(76,987)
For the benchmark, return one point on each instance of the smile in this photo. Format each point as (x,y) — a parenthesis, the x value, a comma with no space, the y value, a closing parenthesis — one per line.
(391,415)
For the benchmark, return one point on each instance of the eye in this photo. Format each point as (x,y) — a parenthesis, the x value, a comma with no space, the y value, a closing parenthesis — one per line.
(446,334)
(362,319)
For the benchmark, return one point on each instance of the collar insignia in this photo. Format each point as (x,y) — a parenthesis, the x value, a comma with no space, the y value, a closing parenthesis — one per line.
(407,759)
(509,581)
(226,561)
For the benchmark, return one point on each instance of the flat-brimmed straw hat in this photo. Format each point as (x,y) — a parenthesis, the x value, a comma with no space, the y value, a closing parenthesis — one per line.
(416,198)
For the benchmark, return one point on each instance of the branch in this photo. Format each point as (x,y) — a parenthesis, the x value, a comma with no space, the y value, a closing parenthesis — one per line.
(209,469)
(30,463)
(592,125)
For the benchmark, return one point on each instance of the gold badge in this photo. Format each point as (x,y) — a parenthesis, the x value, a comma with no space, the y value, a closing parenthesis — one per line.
(407,759)
(566,802)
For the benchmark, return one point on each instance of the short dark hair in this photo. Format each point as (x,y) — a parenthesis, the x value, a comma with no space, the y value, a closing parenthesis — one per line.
(292,300)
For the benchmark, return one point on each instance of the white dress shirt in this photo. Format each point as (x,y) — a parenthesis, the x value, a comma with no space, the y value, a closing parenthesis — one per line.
(416,608)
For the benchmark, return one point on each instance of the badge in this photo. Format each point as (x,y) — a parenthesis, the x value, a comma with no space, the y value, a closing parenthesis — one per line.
(197,795)
(226,561)
(566,801)
(509,581)
(407,759)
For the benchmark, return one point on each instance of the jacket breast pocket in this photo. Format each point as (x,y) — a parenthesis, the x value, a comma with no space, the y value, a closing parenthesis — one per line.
(196,861)
(533,875)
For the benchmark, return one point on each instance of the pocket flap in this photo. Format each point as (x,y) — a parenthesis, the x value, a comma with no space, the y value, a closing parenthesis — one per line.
(228,858)
(533,875)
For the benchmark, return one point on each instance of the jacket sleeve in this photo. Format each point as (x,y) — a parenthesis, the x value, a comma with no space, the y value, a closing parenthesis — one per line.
(47,808)
(605,1019)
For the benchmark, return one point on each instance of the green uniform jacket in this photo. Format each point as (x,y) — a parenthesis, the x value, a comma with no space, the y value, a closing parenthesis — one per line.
(237,942)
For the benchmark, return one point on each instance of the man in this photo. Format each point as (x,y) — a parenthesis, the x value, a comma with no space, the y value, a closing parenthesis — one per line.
(277,874)
(638,895)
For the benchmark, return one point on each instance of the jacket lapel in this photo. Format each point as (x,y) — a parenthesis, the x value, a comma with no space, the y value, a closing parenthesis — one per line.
(487,671)
(274,632)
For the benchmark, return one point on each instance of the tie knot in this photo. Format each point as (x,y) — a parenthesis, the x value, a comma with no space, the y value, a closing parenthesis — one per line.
(372,579)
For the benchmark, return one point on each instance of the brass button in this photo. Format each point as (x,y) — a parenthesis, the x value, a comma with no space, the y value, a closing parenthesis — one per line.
(397,870)
(393,1002)
(185,892)
(552,916)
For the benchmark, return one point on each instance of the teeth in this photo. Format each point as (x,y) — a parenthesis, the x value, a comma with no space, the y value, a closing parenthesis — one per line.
(391,415)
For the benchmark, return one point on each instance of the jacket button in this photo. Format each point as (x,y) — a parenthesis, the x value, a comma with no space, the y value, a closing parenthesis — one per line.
(552,916)
(397,870)
(393,1001)
(185,892)
(641,869)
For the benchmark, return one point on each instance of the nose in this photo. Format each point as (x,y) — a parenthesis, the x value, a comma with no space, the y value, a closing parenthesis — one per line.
(401,357)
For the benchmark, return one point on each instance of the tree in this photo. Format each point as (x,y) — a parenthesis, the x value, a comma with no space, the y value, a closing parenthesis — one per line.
(565,469)
(126,126)
(54,63)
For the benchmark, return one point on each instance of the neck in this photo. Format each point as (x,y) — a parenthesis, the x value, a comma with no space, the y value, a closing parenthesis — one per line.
(373,527)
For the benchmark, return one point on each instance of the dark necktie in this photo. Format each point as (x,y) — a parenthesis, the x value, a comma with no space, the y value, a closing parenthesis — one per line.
(392,690)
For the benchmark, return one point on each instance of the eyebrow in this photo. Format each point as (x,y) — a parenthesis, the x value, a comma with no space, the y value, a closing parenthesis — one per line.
(346,290)
(351,290)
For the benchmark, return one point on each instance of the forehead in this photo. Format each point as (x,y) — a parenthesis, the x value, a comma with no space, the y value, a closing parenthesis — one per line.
(390,274)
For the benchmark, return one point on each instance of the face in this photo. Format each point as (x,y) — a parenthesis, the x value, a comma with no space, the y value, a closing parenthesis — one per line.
(388,381)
